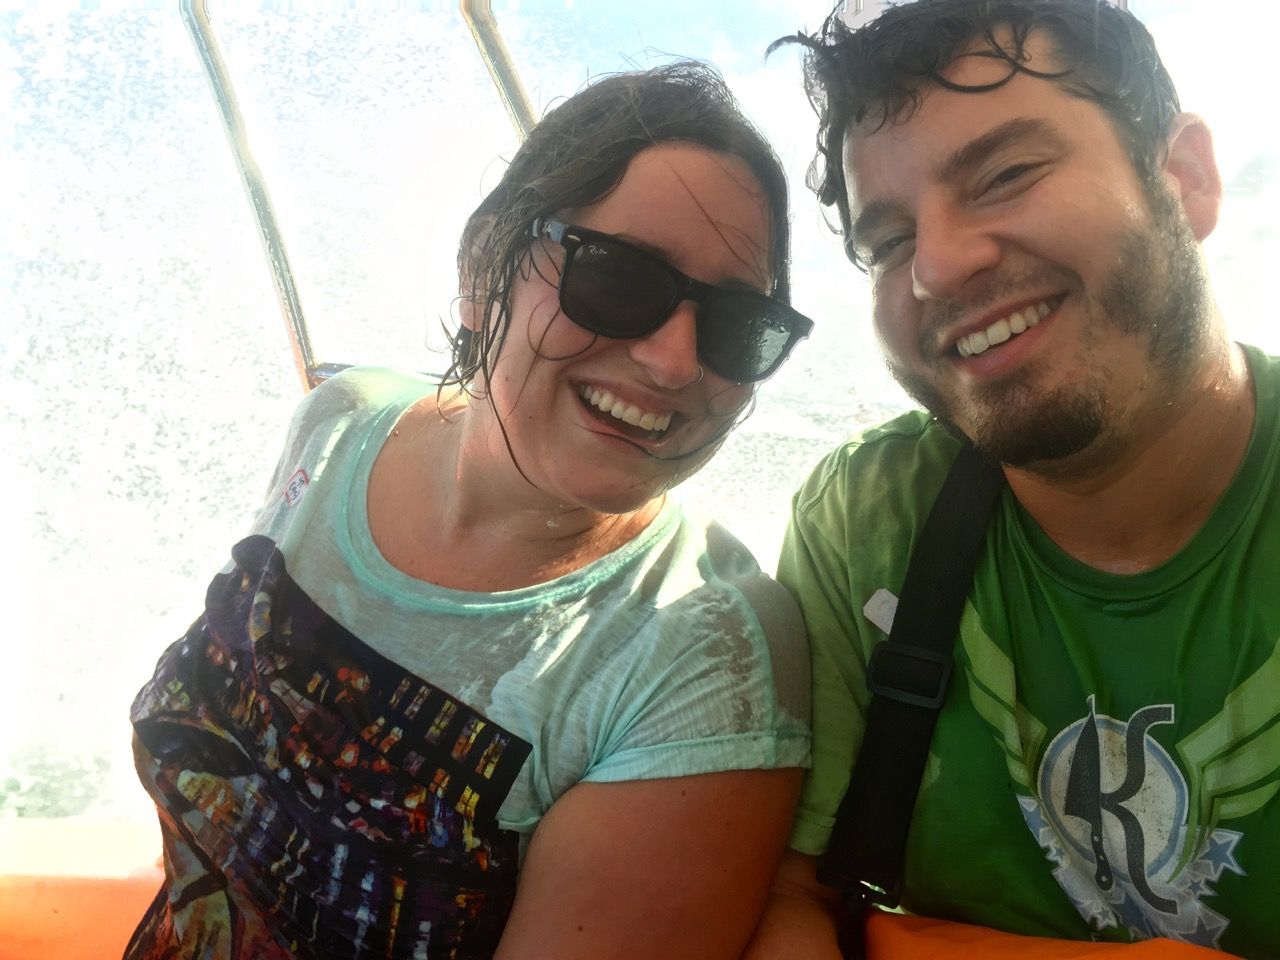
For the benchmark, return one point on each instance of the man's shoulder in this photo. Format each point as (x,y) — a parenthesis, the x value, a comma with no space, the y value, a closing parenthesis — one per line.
(1265,368)
(899,464)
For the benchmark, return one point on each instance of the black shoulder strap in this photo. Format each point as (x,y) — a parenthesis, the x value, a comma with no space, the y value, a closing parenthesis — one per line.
(907,676)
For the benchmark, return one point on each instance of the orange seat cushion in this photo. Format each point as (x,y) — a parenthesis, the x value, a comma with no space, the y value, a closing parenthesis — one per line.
(71,918)
(895,937)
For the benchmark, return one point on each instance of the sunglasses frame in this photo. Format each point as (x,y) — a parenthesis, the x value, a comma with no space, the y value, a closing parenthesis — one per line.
(572,238)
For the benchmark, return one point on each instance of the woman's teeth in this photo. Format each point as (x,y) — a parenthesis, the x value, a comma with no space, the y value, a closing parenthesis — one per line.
(626,412)
(1000,331)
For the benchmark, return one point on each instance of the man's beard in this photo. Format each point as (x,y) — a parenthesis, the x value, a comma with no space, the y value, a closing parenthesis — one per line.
(1157,290)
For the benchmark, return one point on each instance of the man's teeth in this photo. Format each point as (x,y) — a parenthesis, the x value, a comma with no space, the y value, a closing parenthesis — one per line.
(1000,331)
(626,412)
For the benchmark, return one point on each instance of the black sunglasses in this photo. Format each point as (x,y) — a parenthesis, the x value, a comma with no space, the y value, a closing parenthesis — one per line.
(617,290)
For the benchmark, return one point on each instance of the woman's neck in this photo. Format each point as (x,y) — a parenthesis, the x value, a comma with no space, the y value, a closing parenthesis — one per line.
(447,504)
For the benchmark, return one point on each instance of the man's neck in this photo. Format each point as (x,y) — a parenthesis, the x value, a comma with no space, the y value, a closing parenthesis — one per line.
(1139,507)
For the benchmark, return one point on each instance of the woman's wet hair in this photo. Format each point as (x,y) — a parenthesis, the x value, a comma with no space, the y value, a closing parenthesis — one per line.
(574,157)
(878,74)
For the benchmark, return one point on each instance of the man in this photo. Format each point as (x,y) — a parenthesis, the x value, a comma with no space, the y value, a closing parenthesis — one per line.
(1017,181)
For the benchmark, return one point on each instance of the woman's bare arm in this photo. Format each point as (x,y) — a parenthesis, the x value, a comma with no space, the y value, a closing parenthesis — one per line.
(800,920)
(670,868)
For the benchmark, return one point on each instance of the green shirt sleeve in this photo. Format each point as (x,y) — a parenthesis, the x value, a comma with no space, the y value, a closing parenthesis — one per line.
(851,530)
(814,566)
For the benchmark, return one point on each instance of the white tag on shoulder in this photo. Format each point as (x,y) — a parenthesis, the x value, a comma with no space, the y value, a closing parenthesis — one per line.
(881,609)
(296,487)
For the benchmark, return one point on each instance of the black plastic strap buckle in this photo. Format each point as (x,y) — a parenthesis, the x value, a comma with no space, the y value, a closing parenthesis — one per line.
(872,895)
(909,674)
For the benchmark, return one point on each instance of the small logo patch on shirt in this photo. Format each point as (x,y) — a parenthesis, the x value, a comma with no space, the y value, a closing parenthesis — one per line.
(296,487)
(881,609)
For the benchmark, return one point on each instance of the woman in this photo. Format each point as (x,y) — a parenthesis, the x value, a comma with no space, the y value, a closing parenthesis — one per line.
(474,686)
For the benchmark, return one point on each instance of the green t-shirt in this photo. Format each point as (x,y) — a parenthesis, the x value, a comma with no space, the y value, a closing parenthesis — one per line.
(1147,705)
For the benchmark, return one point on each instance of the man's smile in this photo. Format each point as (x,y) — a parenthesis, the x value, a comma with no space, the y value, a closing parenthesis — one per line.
(1007,327)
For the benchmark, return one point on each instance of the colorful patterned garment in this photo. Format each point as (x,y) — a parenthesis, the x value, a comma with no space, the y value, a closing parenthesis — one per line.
(316,800)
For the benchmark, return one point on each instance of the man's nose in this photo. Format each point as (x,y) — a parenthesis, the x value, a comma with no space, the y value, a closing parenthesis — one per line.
(951,249)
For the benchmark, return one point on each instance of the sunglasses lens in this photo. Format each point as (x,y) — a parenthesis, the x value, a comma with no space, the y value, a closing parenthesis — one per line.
(743,337)
(615,291)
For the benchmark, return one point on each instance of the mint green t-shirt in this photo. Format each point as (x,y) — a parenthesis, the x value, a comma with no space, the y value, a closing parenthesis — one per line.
(1145,706)
(671,656)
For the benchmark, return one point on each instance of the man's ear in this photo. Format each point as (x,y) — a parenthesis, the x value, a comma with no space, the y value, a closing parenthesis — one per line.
(1191,171)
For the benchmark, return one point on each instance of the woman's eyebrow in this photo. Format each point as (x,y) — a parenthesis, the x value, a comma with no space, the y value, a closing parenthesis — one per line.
(729,283)
(649,248)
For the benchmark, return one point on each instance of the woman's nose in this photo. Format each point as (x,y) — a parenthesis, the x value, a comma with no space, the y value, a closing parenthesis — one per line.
(670,353)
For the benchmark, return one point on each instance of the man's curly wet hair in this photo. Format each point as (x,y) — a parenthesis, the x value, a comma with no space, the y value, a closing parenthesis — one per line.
(879,73)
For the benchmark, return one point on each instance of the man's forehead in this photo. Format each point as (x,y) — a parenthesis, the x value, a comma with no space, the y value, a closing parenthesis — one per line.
(979,64)
(978,67)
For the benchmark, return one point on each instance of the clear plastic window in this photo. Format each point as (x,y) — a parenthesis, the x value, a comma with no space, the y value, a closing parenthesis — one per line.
(147,375)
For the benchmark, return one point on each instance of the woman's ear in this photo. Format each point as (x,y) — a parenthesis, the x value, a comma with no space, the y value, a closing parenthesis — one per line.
(470,307)
(470,296)
(1191,171)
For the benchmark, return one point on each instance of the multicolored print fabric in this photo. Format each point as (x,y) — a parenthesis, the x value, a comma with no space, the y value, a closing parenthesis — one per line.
(316,800)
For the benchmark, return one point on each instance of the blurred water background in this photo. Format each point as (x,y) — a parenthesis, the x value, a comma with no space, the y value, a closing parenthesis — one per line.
(145,375)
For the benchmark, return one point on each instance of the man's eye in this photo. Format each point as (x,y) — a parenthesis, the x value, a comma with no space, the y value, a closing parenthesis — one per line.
(885,249)
(1008,176)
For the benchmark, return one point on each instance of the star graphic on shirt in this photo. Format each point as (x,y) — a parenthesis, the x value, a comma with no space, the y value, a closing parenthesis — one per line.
(1197,887)
(1209,927)
(1220,854)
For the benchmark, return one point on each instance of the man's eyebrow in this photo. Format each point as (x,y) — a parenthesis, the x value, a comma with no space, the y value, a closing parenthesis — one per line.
(963,158)
(980,148)
(870,217)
